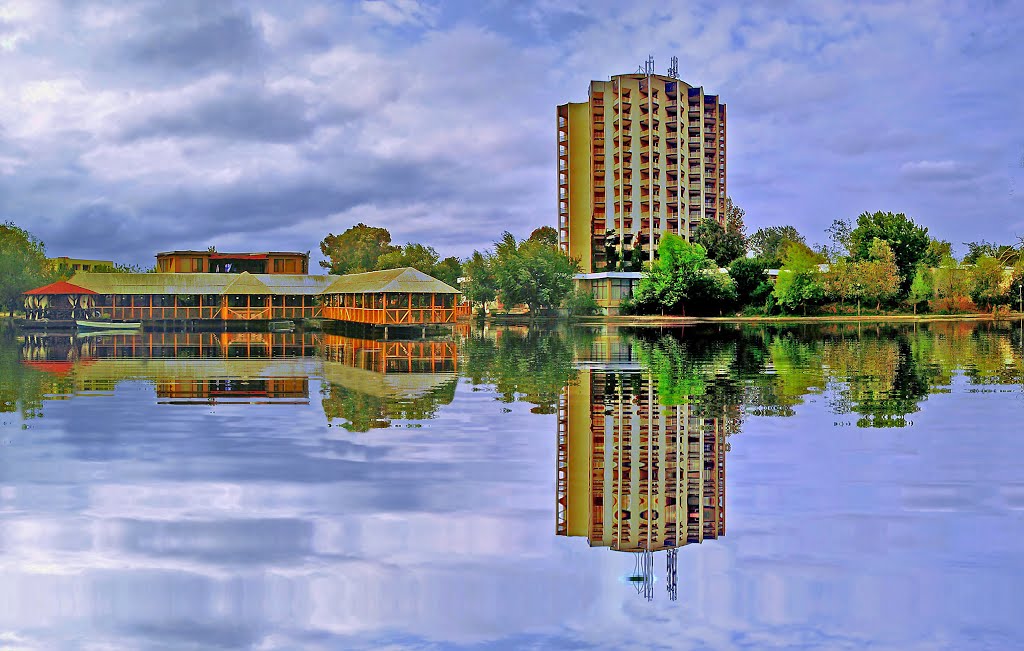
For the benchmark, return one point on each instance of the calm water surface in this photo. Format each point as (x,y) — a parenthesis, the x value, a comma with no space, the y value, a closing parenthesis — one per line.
(835,487)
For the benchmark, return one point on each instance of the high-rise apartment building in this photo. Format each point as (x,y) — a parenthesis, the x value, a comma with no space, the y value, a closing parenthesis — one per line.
(645,155)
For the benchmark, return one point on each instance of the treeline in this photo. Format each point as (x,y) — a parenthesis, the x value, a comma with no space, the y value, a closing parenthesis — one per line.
(24,266)
(534,272)
(882,260)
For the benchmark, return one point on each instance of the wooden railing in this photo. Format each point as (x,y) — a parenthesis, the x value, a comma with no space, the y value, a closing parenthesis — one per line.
(118,313)
(392,316)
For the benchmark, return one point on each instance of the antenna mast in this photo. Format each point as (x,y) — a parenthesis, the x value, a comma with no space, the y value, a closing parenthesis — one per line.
(673,70)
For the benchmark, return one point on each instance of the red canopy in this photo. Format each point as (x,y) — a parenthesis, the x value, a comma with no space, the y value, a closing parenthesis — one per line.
(238,256)
(60,287)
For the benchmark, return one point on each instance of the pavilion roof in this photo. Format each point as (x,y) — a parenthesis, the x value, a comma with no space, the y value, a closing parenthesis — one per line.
(60,287)
(401,281)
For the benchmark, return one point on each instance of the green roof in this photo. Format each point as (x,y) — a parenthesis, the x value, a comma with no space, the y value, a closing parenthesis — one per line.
(202,283)
(400,281)
(405,280)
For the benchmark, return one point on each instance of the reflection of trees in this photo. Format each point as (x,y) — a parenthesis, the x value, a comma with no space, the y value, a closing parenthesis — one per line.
(363,411)
(23,388)
(881,373)
(530,365)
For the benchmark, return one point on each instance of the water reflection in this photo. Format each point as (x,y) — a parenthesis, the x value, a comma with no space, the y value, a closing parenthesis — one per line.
(340,491)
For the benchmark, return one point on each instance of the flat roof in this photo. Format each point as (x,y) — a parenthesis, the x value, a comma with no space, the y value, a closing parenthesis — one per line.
(223,254)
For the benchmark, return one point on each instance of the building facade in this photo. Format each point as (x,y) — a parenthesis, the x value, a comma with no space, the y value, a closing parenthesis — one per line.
(269,262)
(643,156)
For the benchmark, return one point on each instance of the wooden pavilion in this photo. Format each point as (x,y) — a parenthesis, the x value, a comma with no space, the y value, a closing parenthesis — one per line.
(394,297)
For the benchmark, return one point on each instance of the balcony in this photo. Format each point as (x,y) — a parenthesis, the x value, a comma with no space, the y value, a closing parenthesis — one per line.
(671,124)
(694,109)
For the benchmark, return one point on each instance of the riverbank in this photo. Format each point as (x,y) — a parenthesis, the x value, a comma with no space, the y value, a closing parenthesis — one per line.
(658,320)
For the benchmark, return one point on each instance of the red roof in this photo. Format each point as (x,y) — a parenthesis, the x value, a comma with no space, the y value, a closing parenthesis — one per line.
(60,287)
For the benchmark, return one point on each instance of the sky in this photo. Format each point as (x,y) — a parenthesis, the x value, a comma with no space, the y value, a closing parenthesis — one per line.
(128,128)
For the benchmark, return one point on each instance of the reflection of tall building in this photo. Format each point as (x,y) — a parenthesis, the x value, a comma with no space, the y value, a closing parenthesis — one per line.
(633,474)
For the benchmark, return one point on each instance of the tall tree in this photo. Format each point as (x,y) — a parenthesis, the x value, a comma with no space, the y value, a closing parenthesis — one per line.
(419,257)
(922,289)
(768,243)
(532,272)
(546,235)
(908,241)
(356,250)
(722,244)
(878,275)
(480,285)
(682,280)
(23,264)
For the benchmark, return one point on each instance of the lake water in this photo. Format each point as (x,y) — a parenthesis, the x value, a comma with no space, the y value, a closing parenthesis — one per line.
(713,487)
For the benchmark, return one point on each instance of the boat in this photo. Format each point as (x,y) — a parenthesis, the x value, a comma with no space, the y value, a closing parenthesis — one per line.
(107,325)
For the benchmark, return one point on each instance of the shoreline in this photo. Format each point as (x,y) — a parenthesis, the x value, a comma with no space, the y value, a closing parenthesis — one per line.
(659,320)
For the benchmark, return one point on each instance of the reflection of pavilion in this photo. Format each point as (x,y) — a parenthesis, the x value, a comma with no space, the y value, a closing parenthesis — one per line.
(254,367)
(633,474)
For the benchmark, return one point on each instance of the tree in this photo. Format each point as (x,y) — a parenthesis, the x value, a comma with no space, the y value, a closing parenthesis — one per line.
(546,235)
(908,241)
(840,281)
(682,280)
(448,270)
(23,264)
(769,242)
(419,257)
(750,279)
(923,287)
(799,283)
(987,282)
(839,232)
(879,275)
(532,272)
(952,282)
(356,250)
(722,244)
(480,285)
(938,250)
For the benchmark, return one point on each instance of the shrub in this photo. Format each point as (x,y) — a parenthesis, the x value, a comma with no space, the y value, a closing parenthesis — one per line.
(953,305)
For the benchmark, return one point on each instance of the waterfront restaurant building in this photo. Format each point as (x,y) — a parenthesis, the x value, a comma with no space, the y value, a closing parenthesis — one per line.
(270,262)
(643,156)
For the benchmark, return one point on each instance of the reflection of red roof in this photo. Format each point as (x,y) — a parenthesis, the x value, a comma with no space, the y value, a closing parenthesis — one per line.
(59,366)
(60,287)
(54,366)
(238,256)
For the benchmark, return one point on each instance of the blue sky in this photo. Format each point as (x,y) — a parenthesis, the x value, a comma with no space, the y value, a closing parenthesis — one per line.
(128,128)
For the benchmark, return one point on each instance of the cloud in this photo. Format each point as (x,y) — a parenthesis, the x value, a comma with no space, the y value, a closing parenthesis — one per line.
(245,120)
(933,170)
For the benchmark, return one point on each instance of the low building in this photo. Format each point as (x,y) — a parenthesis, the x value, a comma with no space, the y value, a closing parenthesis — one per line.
(267,262)
(609,288)
(78,264)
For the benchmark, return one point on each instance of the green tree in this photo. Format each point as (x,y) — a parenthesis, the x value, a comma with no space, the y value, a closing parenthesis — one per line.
(768,243)
(908,241)
(938,250)
(544,234)
(448,270)
(840,281)
(682,280)
(722,244)
(356,250)
(480,285)
(839,233)
(923,287)
(799,283)
(23,265)
(533,272)
(988,284)
(750,278)
(418,256)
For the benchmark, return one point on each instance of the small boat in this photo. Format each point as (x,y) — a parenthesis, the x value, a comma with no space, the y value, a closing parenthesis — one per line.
(108,325)
(281,326)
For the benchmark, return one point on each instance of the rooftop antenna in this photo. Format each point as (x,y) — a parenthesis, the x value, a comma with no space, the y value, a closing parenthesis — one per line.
(673,70)
(647,68)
